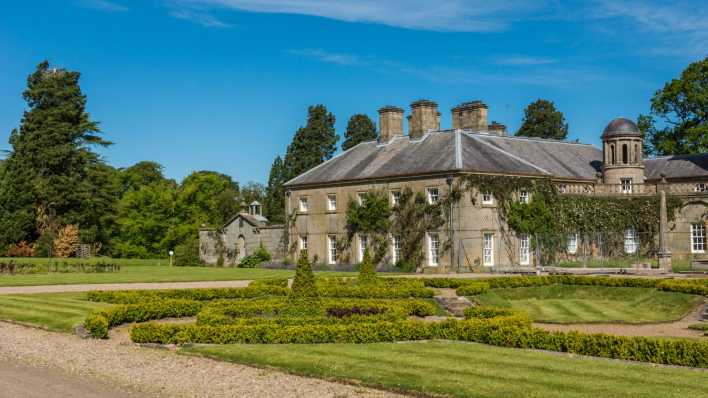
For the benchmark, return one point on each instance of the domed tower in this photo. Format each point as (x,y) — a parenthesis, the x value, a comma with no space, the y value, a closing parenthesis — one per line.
(623,154)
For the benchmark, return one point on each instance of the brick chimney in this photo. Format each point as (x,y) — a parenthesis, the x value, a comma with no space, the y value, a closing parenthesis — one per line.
(390,123)
(424,118)
(470,116)
(497,129)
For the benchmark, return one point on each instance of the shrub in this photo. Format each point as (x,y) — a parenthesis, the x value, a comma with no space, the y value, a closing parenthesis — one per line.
(473,289)
(44,245)
(367,272)
(66,241)
(692,286)
(304,282)
(271,282)
(22,249)
(187,254)
(489,312)
(260,256)
(138,296)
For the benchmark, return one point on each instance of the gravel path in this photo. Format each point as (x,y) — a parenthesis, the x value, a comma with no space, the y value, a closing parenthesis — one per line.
(669,329)
(158,372)
(119,286)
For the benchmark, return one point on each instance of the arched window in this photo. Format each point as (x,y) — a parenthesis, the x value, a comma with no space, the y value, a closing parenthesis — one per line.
(625,154)
(612,154)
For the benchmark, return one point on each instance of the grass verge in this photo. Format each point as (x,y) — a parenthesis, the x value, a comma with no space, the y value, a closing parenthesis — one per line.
(588,304)
(467,370)
(58,312)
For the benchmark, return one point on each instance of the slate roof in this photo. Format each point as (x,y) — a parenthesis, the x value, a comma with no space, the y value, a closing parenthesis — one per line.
(677,166)
(457,151)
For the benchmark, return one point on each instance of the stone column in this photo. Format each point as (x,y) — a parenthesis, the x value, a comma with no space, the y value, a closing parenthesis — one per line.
(664,252)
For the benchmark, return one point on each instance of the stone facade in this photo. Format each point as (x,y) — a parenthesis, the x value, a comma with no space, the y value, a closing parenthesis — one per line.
(433,159)
(241,237)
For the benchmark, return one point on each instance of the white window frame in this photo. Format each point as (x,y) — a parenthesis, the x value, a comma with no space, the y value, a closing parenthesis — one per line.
(701,187)
(433,249)
(360,198)
(303,242)
(331,202)
(698,238)
(363,241)
(524,196)
(304,206)
(488,249)
(487,198)
(572,246)
(562,188)
(331,249)
(395,197)
(626,185)
(630,241)
(433,195)
(395,248)
(524,249)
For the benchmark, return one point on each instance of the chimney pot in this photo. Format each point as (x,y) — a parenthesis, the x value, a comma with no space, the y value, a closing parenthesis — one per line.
(424,117)
(497,128)
(390,123)
(470,116)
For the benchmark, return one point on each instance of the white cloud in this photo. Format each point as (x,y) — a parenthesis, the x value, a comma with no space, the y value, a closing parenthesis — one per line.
(450,15)
(104,5)
(522,60)
(328,57)
(199,17)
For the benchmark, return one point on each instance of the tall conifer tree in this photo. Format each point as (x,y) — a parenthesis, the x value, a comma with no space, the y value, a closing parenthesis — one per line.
(312,144)
(359,129)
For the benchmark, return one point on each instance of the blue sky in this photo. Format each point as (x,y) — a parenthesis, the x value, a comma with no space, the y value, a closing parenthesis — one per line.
(223,84)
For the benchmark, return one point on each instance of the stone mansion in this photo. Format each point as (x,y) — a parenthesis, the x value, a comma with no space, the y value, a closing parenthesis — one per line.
(429,159)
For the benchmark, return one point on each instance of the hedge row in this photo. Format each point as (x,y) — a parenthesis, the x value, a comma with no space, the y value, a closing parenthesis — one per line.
(138,296)
(505,331)
(98,323)
(471,287)
(12,268)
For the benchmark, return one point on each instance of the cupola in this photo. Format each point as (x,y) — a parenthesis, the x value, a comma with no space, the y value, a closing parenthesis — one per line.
(623,154)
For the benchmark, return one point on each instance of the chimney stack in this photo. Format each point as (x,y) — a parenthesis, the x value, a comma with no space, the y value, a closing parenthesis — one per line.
(390,123)
(497,129)
(424,118)
(470,116)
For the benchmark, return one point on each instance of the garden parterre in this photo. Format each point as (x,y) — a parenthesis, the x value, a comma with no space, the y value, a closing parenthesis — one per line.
(382,310)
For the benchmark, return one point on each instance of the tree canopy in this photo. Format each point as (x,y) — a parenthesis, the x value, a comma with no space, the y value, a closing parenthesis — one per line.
(359,129)
(312,144)
(274,206)
(543,120)
(681,106)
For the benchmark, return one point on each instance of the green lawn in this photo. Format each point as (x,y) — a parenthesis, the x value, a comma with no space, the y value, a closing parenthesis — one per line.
(468,370)
(133,271)
(58,312)
(576,304)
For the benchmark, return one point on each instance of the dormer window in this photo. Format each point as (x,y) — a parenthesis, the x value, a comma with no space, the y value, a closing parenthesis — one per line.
(433,196)
(303,204)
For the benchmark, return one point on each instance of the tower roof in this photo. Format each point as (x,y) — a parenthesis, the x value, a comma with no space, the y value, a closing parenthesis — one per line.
(621,127)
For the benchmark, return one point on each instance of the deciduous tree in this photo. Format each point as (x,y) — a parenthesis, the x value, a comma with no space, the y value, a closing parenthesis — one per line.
(543,120)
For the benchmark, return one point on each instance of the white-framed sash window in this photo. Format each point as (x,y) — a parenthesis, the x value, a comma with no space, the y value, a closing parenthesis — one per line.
(630,241)
(626,185)
(331,249)
(698,238)
(396,248)
(363,242)
(433,249)
(433,195)
(331,202)
(572,244)
(487,198)
(303,242)
(488,249)
(524,249)
(524,196)
(304,206)
(395,197)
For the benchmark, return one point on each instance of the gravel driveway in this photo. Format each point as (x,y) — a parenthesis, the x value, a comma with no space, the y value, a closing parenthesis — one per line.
(151,372)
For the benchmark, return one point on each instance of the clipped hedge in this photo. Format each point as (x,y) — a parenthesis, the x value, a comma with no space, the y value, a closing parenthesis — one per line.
(98,323)
(690,286)
(137,296)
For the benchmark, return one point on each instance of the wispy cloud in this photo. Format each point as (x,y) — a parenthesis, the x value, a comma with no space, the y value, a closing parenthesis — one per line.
(449,15)
(523,60)
(103,5)
(328,57)
(200,17)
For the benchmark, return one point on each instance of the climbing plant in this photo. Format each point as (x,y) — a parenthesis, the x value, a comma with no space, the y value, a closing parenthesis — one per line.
(372,218)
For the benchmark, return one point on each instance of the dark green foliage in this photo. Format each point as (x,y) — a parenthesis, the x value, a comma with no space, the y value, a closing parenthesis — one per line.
(682,107)
(187,253)
(51,177)
(141,174)
(371,218)
(312,144)
(274,203)
(260,256)
(140,296)
(359,129)
(367,271)
(20,268)
(44,245)
(304,282)
(541,119)
(412,218)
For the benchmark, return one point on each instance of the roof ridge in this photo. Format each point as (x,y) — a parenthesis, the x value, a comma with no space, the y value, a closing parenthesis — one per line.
(458,149)
(522,160)
(323,163)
